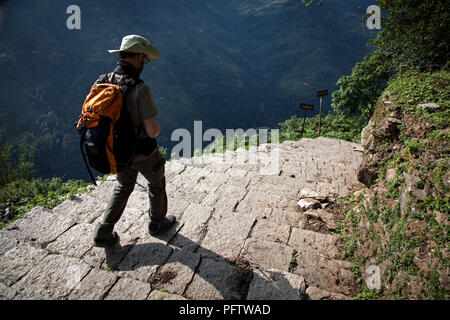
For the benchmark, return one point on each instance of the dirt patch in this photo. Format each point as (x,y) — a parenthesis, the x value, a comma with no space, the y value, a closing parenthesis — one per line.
(325,220)
(315,224)
(161,277)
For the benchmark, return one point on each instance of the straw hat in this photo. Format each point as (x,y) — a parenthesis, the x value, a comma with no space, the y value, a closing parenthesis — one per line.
(137,44)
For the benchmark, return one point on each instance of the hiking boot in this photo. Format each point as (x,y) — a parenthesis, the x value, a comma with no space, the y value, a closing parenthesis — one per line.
(168,222)
(108,242)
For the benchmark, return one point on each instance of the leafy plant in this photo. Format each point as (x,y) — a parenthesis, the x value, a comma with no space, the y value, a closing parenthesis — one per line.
(368,294)
(20,196)
(358,92)
(293,264)
(333,125)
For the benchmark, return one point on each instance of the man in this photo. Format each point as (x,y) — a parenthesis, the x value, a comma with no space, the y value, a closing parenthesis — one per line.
(135,51)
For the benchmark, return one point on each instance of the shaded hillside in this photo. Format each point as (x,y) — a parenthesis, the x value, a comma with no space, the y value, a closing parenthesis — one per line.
(231,64)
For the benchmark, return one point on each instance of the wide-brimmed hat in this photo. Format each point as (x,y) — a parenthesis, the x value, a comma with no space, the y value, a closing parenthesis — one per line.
(137,44)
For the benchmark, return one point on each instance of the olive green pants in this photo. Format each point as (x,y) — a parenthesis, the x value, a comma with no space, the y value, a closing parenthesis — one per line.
(152,168)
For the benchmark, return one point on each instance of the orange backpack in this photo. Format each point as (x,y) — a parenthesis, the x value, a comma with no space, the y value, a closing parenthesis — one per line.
(107,135)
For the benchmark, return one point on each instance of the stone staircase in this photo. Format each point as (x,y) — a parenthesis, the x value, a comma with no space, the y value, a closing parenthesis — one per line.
(240,234)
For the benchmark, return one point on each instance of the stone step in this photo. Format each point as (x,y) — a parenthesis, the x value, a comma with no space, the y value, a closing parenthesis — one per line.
(313,255)
(276,284)
(240,234)
(330,274)
(314,293)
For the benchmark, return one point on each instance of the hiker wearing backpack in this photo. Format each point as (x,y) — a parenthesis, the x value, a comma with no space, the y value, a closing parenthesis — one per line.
(122,152)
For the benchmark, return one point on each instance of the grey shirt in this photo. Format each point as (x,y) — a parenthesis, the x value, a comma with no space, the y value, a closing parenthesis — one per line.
(141,106)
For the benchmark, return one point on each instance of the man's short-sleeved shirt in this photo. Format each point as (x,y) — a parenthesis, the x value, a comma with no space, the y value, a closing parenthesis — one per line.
(141,106)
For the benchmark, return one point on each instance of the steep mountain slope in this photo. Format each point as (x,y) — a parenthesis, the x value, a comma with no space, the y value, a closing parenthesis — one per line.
(400,221)
(230,64)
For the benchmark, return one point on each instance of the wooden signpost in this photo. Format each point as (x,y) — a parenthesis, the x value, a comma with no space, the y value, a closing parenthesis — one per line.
(321,94)
(305,107)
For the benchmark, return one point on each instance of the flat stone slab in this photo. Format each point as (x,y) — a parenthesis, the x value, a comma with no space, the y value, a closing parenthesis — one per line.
(217,281)
(229,196)
(334,275)
(142,260)
(314,293)
(178,272)
(267,255)
(7,241)
(108,258)
(41,226)
(270,231)
(104,190)
(6,293)
(129,289)
(176,206)
(18,261)
(250,208)
(84,208)
(194,227)
(226,234)
(324,244)
(286,218)
(75,242)
(161,295)
(264,198)
(276,285)
(53,278)
(174,167)
(94,286)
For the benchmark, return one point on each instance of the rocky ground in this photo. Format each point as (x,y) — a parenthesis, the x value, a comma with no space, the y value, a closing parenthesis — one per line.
(243,232)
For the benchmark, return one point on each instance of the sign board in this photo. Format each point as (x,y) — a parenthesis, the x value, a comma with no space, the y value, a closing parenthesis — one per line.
(306,106)
(322,93)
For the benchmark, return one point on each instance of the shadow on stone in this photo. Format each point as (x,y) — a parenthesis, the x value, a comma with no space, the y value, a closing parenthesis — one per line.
(201,277)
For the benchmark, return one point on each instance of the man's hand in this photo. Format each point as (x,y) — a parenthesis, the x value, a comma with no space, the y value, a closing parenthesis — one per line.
(152,127)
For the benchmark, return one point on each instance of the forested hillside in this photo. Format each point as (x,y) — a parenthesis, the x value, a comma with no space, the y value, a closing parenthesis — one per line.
(241,64)
(231,64)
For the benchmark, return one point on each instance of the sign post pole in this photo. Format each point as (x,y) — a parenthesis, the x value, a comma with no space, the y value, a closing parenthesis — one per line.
(321,94)
(303,127)
(305,107)
(320,114)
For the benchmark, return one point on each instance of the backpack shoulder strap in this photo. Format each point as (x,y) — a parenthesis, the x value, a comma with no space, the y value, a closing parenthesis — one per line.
(102,79)
(82,140)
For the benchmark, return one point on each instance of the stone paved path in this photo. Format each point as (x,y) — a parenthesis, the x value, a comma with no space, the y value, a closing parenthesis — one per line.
(240,234)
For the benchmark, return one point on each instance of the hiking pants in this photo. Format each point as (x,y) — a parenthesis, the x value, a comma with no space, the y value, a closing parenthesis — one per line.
(152,168)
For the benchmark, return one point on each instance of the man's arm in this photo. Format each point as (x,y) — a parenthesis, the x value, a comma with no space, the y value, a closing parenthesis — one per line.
(152,127)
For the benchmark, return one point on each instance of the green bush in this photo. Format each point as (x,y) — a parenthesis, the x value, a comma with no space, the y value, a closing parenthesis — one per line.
(340,126)
(413,88)
(20,196)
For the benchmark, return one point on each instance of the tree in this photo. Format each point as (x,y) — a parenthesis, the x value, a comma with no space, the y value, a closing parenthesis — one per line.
(16,159)
(358,93)
(5,164)
(415,34)
(414,37)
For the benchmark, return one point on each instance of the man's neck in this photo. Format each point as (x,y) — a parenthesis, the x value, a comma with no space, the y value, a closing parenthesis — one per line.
(128,68)
(133,62)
